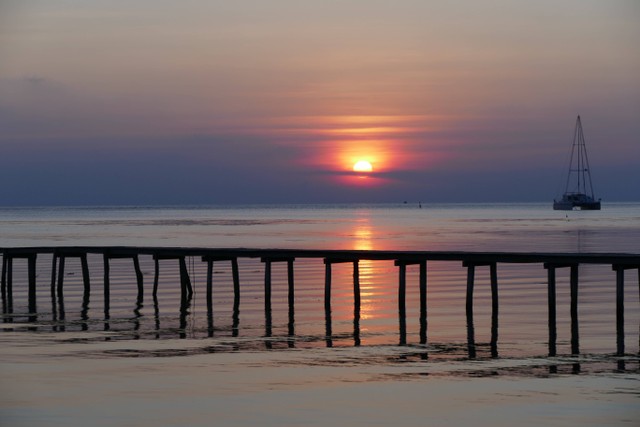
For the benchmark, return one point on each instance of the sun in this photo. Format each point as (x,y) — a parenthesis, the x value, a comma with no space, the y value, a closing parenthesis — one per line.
(362,166)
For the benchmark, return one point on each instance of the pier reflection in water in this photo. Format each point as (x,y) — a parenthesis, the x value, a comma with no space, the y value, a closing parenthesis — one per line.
(379,292)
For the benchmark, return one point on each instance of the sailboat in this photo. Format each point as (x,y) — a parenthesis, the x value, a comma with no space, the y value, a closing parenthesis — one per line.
(579,178)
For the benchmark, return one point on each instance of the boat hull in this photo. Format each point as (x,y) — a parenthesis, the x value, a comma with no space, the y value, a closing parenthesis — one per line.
(561,206)
(570,202)
(593,206)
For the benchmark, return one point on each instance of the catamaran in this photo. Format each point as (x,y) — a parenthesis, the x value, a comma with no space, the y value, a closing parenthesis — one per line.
(579,178)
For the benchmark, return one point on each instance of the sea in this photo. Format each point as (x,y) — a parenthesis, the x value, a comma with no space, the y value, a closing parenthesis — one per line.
(161,362)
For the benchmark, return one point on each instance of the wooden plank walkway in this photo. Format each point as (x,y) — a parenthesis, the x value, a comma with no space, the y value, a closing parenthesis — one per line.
(619,262)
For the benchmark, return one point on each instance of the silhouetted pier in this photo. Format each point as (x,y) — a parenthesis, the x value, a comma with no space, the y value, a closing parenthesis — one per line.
(402,259)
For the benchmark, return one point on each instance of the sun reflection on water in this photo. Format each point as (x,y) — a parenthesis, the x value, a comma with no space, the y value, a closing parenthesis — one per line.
(363,239)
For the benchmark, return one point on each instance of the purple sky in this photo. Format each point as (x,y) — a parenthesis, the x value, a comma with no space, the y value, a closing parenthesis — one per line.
(158,102)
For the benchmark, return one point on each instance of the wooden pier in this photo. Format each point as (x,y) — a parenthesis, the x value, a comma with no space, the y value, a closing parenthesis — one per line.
(402,259)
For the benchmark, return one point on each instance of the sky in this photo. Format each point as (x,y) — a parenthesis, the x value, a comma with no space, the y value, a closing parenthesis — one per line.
(155,102)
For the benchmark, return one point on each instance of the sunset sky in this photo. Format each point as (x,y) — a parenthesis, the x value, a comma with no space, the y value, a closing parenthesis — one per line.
(207,102)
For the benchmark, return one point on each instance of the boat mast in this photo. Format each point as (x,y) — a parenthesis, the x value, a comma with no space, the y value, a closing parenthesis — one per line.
(585,164)
(581,169)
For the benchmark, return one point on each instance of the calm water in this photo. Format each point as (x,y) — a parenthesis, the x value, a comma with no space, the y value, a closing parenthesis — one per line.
(65,335)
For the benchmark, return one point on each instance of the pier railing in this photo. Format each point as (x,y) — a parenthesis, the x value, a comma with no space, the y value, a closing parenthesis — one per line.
(619,262)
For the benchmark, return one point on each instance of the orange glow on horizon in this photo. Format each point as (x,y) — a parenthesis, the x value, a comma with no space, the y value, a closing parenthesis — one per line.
(389,144)
(349,152)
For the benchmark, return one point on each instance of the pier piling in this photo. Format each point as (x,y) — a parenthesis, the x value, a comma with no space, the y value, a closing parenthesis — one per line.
(402,292)
(356,302)
(471,270)
(551,303)
(109,255)
(575,341)
(402,308)
(423,302)
(471,338)
(185,281)
(328,261)
(619,309)
(7,278)
(31,260)
(236,287)
(619,269)
(59,257)
(291,296)
(186,290)
(493,273)
(356,288)
(327,281)
(267,289)
(573,289)
(106,287)
(290,286)
(327,286)
(235,277)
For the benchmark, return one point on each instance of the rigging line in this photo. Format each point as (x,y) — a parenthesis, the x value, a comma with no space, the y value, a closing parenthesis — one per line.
(578,140)
(588,167)
(573,147)
(567,166)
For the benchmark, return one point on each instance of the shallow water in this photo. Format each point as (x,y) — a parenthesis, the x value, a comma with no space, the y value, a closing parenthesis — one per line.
(72,349)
